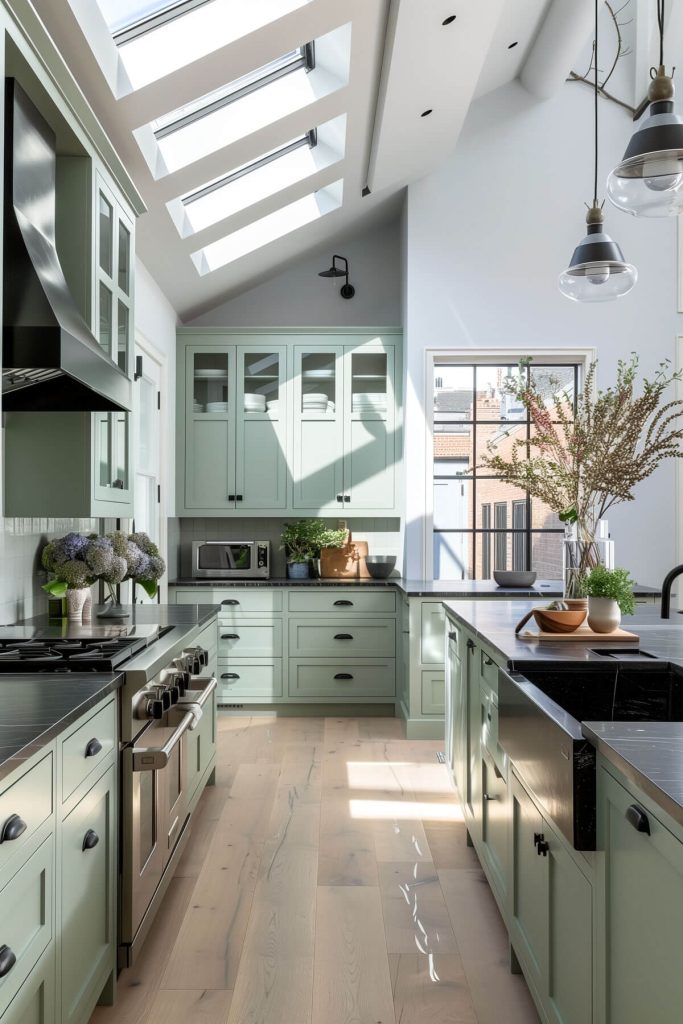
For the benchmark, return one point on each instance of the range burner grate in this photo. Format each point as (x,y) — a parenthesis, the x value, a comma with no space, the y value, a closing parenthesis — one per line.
(95,654)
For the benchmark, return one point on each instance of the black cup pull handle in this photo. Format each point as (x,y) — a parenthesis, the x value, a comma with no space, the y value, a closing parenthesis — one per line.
(239,497)
(347,497)
(230,600)
(7,960)
(453,636)
(90,840)
(94,747)
(638,819)
(230,636)
(343,636)
(343,604)
(542,848)
(340,497)
(230,675)
(12,829)
(343,675)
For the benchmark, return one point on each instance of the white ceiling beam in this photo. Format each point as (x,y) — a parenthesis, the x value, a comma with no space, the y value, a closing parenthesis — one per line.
(565,30)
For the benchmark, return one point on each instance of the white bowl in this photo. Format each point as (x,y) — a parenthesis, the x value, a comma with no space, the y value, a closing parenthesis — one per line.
(216,406)
(315,397)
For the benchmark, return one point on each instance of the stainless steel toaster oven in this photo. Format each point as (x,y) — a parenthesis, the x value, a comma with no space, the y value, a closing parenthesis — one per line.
(231,559)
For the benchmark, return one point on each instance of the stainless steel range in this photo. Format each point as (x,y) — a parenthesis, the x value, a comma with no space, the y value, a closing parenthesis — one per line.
(167,730)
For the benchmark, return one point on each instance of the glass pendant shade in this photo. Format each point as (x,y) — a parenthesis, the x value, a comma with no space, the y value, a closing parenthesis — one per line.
(597,271)
(649,180)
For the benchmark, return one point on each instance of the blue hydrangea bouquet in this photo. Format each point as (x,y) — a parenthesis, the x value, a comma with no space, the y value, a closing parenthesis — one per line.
(77,561)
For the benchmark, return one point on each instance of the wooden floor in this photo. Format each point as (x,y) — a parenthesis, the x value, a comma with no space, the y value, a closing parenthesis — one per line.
(327,881)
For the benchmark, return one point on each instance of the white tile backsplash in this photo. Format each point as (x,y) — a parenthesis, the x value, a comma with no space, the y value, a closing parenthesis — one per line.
(21,575)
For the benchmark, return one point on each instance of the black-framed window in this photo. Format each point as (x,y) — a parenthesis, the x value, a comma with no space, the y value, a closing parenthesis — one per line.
(481,523)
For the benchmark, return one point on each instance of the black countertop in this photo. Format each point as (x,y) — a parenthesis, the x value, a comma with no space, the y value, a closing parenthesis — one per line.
(36,708)
(412,588)
(189,615)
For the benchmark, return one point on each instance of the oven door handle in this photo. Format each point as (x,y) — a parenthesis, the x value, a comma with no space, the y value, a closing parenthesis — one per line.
(151,759)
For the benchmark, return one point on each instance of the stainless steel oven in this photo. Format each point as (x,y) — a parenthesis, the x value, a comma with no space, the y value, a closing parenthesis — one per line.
(231,559)
(154,793)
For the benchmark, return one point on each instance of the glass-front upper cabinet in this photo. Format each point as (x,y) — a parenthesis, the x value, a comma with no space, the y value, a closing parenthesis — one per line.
(318,427)
(211,374)
(113,292)
(370,442)
(261,428)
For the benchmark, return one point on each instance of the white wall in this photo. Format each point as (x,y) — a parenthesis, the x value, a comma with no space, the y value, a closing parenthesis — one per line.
(298,297)
(486,238)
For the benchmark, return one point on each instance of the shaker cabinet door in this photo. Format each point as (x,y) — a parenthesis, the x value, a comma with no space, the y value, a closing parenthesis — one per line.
(318,455)
(261,428)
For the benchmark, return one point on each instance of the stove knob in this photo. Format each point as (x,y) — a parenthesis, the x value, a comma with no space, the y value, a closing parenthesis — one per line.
(154,709)
(204,656)
(174,693)
(165,698)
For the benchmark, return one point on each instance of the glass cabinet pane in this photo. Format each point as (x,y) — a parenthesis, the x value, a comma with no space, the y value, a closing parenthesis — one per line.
(106,230)
(123,325)
(104,451)
(318,383)
(121,448)
(369,384)
(261,383)
(105,325)
(210,385)
(124,258)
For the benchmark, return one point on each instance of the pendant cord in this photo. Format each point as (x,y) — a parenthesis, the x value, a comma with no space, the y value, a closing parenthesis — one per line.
(660,23)
(595,101)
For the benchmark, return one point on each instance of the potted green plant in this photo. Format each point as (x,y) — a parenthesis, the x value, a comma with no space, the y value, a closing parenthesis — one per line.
(298,542)
(610,595)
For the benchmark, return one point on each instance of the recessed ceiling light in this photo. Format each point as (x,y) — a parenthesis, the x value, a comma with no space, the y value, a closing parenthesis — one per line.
(512,45)
(449,20)
(425,113)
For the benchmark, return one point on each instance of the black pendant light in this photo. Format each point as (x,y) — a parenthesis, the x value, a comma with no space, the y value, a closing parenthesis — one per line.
(597,271)
(347,291)
(649,180)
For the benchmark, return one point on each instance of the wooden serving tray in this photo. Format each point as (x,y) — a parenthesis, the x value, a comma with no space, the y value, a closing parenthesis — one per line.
(583,633)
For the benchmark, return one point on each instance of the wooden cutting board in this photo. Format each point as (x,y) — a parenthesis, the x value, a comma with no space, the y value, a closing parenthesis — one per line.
(583,634)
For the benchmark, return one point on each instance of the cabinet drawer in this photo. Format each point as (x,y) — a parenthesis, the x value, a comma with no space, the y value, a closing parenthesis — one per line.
(350,637)
(34,1003)
(31,798)
(320,599)
(86,748)
(26,923)
(341,679)
(252,679)
(232,600)
(247,638)
(489,671)
(489,702)
(201,746)
(433,693)
(432,633)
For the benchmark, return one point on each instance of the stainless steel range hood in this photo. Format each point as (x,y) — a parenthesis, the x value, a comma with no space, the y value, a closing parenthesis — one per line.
(51,360)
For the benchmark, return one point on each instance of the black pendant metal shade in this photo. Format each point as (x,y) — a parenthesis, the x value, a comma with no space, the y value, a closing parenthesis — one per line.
(596,247)
(597,271)
(332,272)
(347,291)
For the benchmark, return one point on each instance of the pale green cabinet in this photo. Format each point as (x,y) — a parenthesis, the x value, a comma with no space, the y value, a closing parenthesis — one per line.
(36,1002)
(642,904)
(233,405)
(88,898)
(495,821)
(551,915)
(288,422)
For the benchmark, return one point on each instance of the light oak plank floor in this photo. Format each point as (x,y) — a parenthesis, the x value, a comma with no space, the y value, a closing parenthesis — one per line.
(327,880)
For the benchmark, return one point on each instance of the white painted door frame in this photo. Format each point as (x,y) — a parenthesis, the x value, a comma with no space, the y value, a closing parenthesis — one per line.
(474,355)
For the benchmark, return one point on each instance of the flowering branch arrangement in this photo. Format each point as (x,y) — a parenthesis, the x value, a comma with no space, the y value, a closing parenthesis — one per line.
(77,561)
(582,462)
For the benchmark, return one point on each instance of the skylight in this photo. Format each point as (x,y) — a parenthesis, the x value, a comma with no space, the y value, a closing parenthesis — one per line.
(245,105)
(254,181)
(156,38)
(275,225)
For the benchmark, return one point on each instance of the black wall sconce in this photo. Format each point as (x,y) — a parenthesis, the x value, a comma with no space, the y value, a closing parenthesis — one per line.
(347,290)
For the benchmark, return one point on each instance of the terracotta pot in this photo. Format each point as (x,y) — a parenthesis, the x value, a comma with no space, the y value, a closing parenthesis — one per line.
(347,563)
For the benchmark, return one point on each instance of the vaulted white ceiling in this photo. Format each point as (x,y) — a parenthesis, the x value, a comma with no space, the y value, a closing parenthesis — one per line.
(380,65)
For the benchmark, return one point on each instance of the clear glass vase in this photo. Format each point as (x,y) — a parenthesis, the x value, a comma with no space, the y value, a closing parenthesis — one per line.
(112,609)
(586,545)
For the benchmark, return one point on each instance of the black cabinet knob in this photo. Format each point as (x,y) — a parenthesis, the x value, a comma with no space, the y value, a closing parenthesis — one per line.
(238,497)
(90,840)
(470,645)
(343,636)
(7,960)
(344,604)
(638,818)
(538,837)
(231,497)
(340,497)
(12,829)
(542,848)
(94,747)
(347,497)
(452,636)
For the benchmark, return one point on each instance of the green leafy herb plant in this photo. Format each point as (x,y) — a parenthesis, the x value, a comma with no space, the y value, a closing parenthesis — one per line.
(613,584)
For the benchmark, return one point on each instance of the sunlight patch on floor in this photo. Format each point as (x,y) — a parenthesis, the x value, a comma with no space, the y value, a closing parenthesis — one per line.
(404,810)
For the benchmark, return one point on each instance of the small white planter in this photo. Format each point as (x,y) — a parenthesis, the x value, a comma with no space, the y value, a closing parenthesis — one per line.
(604,614)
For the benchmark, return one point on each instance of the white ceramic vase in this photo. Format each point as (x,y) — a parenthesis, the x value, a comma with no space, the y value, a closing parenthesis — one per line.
(75,603)
(604,614)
